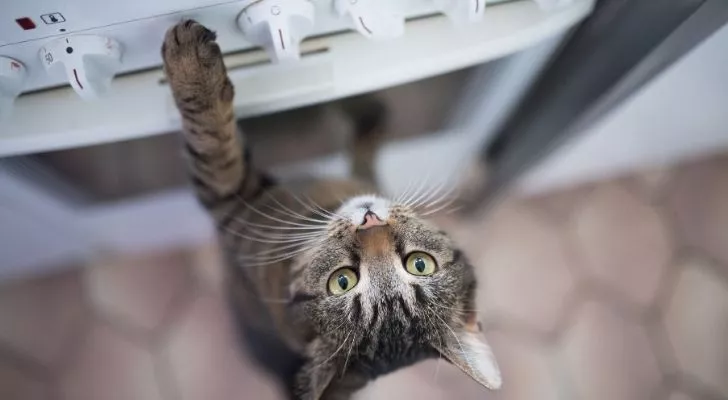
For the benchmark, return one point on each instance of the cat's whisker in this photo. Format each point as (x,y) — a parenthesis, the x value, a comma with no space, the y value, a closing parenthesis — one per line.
(442,207)
(323,211)
(438,300)
(441,192)
(334,353)
(434,195)
(282,231)
(449,192)
(290,213)
(439,359)
(398,199)
(299,227)
(415,193)
(309,244)
(283,221)
(314,207)
(415,187)
(270,240)
(346,360)
(283,235)
(466,356)
(463,310)
(295,217)
(447,195)
(276,253)
(309,218)
(444,210)
(421,191)
(261,263)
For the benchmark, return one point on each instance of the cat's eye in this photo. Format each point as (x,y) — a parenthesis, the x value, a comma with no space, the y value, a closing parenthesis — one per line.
(419,263)
(342,281)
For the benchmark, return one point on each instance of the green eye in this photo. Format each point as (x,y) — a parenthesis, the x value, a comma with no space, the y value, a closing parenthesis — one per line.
(421,264)
(342,281)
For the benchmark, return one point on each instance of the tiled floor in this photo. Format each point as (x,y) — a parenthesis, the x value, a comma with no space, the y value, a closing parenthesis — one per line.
(615,290)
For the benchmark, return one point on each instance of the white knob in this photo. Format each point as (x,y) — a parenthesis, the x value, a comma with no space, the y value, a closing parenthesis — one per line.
(375,19)
(90,62)
(278,26)
(12,77)
(462,11)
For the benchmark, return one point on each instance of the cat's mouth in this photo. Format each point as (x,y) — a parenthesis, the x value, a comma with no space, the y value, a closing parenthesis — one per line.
(364,212)
(370,220)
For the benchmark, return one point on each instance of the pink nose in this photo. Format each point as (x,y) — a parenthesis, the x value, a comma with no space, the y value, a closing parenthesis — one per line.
(371,220)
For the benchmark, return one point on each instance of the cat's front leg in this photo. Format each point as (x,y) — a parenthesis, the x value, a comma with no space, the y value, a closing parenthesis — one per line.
(204,96)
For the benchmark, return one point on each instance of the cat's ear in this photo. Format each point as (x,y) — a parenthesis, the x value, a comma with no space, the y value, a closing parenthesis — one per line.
(316,375)
(467,349)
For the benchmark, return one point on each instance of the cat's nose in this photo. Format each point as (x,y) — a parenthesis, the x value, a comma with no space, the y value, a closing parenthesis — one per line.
(371,220)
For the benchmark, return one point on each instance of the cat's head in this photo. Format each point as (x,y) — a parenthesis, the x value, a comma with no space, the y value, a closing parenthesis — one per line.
(383,289)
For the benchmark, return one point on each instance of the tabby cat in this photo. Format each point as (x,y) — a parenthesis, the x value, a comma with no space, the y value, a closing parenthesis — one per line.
(330,288)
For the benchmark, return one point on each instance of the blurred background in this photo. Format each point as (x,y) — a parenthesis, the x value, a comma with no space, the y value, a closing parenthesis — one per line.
(589,141)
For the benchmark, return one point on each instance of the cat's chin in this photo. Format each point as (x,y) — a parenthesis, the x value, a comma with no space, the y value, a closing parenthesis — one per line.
(356,208)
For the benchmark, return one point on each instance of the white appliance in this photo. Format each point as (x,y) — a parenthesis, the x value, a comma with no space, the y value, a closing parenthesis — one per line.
(349,47)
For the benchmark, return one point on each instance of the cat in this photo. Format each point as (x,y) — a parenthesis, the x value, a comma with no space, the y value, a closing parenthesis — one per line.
(330,288)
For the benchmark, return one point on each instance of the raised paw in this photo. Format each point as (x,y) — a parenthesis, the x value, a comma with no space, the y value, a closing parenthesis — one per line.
(194,65)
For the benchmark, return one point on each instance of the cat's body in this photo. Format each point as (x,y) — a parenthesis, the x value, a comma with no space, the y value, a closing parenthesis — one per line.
(330,287)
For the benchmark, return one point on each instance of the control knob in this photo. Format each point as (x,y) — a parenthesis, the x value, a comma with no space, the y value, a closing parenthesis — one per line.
(278,26)
(90,62)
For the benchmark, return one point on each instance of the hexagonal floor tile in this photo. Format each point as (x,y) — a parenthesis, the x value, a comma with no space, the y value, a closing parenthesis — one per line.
(696,320)
(30,310)
(624,242)
(423,381)
(698,197)
(208,266)
(206,361)
(17,385)
(111,368)
(561,204)
(529,371)
(679,396)
(139,290)
(609,358)
(522,265)
(653,181)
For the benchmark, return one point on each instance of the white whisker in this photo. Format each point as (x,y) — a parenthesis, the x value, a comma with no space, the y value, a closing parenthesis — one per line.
(268,261)
(270,240)
(268,252)
(299,227)
(422,188)
(433,194)
(283,235)
(335,352)
(442,207)
(454,335)
(294,214)
(283,221)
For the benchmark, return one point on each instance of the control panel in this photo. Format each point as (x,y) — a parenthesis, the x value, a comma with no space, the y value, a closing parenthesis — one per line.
(84,45)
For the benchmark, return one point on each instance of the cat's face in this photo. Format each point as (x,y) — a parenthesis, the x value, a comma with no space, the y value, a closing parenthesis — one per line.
(385,289)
